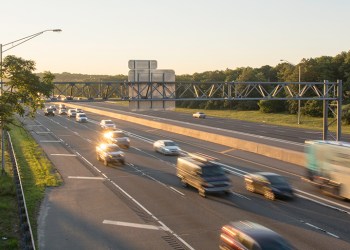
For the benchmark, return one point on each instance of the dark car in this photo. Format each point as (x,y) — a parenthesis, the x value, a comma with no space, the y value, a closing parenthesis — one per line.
(49,112)
(110,153)
(271,185)
(246,235)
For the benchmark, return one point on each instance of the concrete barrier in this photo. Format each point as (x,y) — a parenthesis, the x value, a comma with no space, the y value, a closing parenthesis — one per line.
(286,155)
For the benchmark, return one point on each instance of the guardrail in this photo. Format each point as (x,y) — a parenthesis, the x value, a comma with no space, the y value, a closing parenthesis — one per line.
(27,240)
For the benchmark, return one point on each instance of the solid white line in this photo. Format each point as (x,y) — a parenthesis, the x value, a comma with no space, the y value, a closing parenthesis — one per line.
(86,178)
(177,191)
(128,224)
(63,154)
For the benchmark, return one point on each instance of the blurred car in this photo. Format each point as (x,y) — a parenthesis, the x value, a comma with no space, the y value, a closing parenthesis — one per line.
(107,124)
(53,107)
(199,115)
(110,153)
(69,98)
(81,117)
(271,185)
(166,147)
(62,111)
(49,112)
(77,110)
(246,235)
(62,105)
(71,113)
(117,137)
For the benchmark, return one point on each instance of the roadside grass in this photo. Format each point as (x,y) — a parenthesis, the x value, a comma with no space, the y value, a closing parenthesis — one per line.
(36,171)
(282,119)
(9,220)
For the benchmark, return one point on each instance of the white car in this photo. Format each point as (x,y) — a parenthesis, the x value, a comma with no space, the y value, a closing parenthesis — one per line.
(107,124)
(62,111)
(71,113)
(199,115)
(81,117)
(166,147)
(117,137)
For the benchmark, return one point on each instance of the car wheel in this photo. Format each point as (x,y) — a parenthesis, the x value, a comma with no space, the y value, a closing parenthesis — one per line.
(269,195)
(250,187)
(105,162)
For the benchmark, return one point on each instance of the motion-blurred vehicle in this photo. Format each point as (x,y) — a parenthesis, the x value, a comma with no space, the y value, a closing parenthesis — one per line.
(117,137)
(246,235)
(107,124)
(271,185)
(62,111)
(49,112)
(71,113)
(62,105)
(110,153)
(166,147)
(81,117)
(77,110)
(203,174)
(53,107)
(199,115)
(327,164)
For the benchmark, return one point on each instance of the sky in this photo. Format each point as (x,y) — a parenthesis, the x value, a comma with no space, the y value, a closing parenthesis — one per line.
(188,36)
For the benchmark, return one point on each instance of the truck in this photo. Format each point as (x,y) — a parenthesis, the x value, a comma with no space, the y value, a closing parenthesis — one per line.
(328,166)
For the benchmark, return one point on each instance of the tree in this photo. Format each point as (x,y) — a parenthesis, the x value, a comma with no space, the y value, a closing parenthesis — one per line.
(23,90)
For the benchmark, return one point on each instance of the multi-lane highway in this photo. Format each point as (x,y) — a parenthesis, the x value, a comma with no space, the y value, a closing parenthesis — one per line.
(142,204)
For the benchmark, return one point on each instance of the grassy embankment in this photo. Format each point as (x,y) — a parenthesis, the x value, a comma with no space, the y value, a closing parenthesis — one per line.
(37,173)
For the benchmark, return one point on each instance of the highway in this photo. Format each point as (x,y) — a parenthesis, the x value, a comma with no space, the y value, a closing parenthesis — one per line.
(142,204)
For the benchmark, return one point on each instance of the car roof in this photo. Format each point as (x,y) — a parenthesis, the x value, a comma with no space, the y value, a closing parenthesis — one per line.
(166,140)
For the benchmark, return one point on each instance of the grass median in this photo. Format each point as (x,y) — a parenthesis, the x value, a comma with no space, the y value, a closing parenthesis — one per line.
(36,172)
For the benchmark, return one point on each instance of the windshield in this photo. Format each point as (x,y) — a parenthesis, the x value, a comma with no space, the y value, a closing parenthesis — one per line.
(275,179)
(82,115)
(118,135)
(170,143)
(212,170)
(109,122)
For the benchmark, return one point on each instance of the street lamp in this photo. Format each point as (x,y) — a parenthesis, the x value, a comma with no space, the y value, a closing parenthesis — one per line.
(12,45)
(299,87)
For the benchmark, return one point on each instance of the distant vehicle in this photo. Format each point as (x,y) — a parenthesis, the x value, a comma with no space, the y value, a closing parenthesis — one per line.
(271,185)
(53,107)
(81,117)
(117,137)
(62,111)
(199,115)
(110,153)
(107,124)
(53,98)
(69,98)
(71,113)
(204,175)
(328,166)
(77,110)
(246,235)
(49,112)
(62,105)
(166,147)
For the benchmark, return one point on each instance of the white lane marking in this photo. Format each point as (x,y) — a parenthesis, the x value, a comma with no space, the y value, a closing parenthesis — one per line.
(136,225)
(321,229)
(49,141)
(177,191)
(35,125)
(85,178)
(44,132)
(240,195)
(88,140)
(323,199)
(63,154)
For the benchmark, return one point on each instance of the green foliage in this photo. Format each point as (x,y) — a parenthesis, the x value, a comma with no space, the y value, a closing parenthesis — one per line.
(313,108)
(23,91)
(346,114)
(272,106)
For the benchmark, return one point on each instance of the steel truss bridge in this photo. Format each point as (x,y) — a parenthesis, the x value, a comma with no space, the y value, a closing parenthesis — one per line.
(328,92)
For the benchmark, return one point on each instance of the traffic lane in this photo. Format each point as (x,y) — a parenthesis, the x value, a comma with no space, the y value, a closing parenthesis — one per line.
(79,221)
(143,161)
(282,132)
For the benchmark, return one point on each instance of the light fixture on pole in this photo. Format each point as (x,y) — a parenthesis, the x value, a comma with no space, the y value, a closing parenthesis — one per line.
(13,44)
(282,60)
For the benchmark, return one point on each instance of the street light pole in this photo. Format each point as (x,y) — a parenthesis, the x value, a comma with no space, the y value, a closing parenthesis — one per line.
(13,44)
(282,60)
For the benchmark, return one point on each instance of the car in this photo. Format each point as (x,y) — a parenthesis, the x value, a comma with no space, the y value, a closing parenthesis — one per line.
(247,235)
(69,98)
(166,147)
(271,185)
(62,106)
(71,113)
(62,111)
(49,112)
(199,115)
(77,110)
(110,153)
(107,124)
(117,137)
(53,107)
(81,117)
